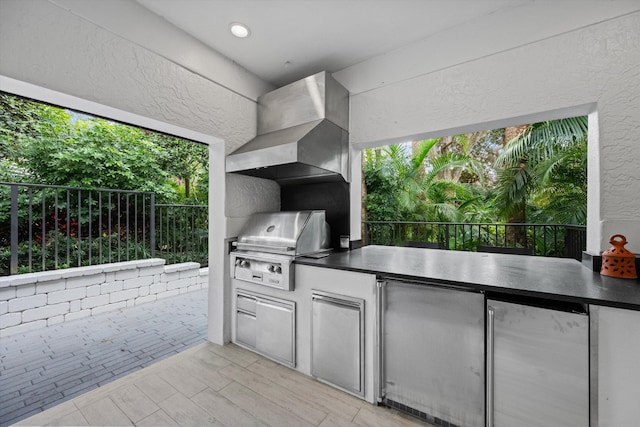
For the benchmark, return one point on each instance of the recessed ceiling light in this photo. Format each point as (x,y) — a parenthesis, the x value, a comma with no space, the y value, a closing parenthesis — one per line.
(239,30)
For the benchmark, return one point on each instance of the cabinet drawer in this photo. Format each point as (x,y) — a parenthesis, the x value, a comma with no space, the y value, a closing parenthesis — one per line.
(246,303)
(266,325)
(246,329)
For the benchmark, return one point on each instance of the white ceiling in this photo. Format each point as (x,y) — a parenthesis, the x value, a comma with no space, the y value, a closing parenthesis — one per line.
(294,38)
(314,35)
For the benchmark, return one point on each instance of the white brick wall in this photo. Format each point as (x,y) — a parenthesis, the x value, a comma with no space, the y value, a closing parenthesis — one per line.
(123,295)
(107,288)
(137,282)
(25,291)
(108,307)
(24,303)
(126,274)
(45,312)
(10,319)
(66,295)
(7,293)
(95,301)
(36,300)
(158,287)
(50,286)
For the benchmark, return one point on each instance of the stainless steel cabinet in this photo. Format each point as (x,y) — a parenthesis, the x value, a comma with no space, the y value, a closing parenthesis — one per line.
(337,341)
(537,366)
(266,325)
(275,329)
(433,351)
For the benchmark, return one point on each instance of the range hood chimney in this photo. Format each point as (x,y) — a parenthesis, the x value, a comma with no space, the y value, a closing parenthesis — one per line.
(302,134)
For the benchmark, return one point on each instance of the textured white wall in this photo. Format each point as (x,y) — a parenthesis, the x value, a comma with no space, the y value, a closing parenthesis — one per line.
(46,45)
(133,22)
(50,47)
(596,68)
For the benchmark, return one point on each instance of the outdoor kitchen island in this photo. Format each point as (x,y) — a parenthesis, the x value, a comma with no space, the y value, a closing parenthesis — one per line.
(607,378)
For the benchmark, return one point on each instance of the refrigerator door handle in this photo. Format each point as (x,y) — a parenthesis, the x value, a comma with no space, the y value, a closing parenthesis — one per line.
(490,358)
(380,294)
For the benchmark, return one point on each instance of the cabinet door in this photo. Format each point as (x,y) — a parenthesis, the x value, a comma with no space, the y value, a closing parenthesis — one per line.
(336,342)
(275,330)
(540,366)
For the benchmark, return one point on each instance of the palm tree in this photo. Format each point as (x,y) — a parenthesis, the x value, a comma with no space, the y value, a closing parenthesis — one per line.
(546,162)
(424,188)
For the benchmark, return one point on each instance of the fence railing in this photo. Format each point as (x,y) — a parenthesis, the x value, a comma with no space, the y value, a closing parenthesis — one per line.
(182,233)
(47,227)
(551,240)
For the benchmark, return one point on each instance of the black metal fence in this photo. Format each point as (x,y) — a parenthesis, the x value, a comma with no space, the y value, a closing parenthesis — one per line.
(551,240)
(45,227)
(182,233)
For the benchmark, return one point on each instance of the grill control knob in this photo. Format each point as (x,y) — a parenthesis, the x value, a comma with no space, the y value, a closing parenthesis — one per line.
(238,262)
(278,269)
(245,263)
(271,268)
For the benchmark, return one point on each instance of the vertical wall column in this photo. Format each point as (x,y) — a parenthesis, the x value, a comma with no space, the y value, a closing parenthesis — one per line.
(218,323)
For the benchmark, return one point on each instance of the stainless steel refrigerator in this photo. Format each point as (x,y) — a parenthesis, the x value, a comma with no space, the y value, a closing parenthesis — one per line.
(537,365)
(432,351)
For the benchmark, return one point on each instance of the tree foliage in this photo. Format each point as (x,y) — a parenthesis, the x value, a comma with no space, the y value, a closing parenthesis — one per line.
(544,171)
(471,178)
(48,145)
(407,185)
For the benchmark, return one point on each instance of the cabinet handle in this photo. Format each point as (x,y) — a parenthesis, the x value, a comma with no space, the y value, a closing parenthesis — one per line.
(275,305)
(335,301)
(380,294)
(490,359)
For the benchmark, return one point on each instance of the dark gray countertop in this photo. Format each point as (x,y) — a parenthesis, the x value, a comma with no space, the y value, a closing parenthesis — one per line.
(551,278)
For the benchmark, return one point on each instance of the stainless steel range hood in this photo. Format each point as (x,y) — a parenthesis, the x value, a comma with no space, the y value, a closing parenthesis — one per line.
(302,134)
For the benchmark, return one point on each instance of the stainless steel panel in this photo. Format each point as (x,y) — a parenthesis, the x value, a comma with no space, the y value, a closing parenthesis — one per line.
(275,336)
(311,150)
(302,134)
(246,329)
(337,341)
(379,386)
(594,318)
(270,270)
(337,102)
(286,139)
(296,232)
(246,303)
(434,351)
(315,97)
(490,359)
(541,366)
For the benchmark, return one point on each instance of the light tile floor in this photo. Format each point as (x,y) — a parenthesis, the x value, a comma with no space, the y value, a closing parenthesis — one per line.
(212,385)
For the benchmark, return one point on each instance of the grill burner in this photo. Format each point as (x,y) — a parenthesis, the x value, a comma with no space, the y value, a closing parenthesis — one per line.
(270,242)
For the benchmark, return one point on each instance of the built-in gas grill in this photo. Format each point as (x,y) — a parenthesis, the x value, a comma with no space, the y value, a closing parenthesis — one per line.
(270,242)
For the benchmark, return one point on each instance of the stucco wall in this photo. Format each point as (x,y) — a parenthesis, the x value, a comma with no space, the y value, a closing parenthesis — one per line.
(49,46)
(593,69)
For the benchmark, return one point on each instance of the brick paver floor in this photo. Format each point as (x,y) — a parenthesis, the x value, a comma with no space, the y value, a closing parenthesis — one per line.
(45,367)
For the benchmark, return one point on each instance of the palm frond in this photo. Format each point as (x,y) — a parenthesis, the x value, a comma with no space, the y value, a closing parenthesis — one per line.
(543,140)
(419,155)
